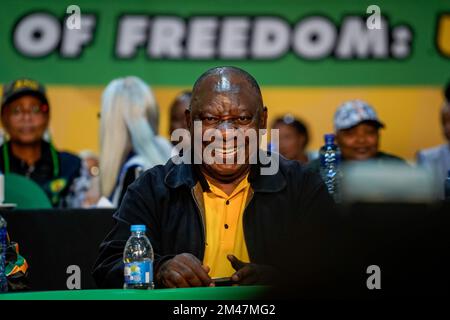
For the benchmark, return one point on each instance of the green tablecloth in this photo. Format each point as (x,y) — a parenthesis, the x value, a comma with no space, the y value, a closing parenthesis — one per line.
(218,293)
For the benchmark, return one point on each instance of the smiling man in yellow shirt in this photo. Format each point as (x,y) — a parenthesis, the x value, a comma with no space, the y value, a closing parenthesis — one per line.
(224,99)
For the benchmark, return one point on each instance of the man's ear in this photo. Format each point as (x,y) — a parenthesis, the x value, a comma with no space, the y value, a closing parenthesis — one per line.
(263,119)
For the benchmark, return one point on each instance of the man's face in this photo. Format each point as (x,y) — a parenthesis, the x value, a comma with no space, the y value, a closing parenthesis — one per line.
(291,143)
(227,102)
(25,119)
(359,142)
(446,122)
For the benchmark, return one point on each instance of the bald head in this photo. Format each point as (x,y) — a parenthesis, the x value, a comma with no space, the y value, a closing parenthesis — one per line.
(227,80)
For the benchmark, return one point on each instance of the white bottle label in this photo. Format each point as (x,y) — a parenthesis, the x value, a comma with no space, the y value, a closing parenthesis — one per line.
(138,272)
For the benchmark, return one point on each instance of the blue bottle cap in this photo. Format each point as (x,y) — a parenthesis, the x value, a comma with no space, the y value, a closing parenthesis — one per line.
(329,138)
(138,227)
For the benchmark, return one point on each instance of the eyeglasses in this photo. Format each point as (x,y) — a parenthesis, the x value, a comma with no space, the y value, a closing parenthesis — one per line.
(34,110)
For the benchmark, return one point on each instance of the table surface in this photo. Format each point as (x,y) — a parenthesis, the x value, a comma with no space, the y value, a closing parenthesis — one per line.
(217,293)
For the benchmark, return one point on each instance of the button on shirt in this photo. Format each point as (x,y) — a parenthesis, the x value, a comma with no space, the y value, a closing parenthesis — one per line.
(224,228)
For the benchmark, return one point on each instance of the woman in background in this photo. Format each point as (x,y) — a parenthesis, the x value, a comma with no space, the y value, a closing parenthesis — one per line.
(129,141)
(25,116)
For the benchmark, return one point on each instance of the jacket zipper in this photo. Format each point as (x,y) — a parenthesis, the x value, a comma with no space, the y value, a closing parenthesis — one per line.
(243,218)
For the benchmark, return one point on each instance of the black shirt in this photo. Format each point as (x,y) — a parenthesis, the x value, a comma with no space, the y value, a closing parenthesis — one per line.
(55,182)
(39,172)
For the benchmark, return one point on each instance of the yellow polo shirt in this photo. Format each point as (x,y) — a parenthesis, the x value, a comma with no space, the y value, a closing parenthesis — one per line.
(224,228)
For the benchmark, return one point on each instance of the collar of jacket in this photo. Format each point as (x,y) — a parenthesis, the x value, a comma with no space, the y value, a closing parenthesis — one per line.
(189,175)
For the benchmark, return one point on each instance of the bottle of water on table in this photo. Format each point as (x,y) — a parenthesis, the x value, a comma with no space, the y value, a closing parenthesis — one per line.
(138,260)
(330,159)
(3,279)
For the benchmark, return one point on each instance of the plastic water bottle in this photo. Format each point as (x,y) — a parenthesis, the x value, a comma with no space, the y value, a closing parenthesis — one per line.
(138,260)
(447,187)
(330,159)
(3,280)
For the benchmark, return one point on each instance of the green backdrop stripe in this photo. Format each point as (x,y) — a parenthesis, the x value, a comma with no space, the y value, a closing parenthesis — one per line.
(320,42)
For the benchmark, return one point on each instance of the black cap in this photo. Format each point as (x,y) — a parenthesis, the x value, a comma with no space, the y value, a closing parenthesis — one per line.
(22,87)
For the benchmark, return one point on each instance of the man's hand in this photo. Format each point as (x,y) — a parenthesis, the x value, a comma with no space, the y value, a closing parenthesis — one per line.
(250,273)
(183,271)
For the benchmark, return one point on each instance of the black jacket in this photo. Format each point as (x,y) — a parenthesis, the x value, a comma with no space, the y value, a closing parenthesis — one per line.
(168,200)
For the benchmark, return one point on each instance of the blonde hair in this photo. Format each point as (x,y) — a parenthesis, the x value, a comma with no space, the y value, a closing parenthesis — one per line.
(129,121)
